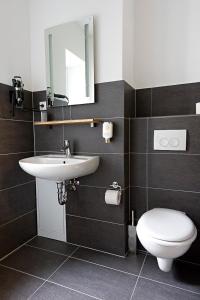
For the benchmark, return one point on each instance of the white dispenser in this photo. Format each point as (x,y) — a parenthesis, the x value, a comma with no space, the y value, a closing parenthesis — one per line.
(107,131)
(198,108)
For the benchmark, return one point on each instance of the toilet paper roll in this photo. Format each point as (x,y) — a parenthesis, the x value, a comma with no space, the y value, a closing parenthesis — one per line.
(113,197)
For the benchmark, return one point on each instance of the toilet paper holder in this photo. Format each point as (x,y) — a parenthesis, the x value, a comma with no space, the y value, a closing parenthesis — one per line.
(116,186)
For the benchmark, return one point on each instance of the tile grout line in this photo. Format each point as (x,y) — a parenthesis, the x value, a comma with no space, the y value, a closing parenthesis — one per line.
(171,285)
(45,280)
(93,249)
(161,153)
(15,153)
(16,249)
(76,245)
(22,272)
(18,185)
(43,249)
(16,120)
(77,153)
(28,274)
(168,116)
(80,246)
(134,289)
(65,260)
(13,220)
(104,266)
(96,220)
(163,189)
(69,288)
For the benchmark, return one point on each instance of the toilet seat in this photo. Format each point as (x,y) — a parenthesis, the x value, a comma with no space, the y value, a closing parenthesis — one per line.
(167,225)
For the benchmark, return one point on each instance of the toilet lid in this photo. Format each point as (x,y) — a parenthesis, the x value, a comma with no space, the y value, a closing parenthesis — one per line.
(167,225)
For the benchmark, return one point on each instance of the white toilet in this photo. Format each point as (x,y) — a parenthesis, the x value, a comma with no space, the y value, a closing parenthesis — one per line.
(166,234)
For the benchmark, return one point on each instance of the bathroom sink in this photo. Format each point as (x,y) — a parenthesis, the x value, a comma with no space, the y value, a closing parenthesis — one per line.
(59,167)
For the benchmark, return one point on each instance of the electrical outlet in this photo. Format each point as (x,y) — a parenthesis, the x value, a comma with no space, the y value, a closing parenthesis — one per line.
(43,105)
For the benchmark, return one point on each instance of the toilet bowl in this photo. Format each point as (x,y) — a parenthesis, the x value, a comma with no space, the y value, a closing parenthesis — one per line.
(166,234)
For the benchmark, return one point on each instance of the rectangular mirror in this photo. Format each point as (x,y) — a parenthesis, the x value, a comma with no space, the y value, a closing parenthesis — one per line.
(70,63)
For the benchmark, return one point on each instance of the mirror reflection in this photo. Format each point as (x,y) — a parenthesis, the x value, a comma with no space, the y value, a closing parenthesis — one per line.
(70,63)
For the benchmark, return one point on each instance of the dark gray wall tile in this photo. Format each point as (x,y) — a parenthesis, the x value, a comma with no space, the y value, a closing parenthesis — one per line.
(175,99)
(174,171)
(87,139)
(16,136)
(143,103)
(129,101)
(113,101)
(16,233)
(150,290)
(6,106)
(190,123)
(183,201)
(17,201)
(109,102)
(38,96)
(138,201)
(90,202)
(138,170)
(138,137)
(111,168)
(126,135)
(11,174)
(97,235)
(48,139)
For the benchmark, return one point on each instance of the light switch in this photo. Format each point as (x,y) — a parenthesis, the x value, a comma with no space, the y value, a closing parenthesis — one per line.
(170,140)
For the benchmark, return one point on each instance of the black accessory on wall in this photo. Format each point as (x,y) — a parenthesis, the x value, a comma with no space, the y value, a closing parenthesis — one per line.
(17,95)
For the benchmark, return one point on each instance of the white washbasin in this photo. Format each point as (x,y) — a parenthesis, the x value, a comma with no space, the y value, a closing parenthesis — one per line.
(58,167)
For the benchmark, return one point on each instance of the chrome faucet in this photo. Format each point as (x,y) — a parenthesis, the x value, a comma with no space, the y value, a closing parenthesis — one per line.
(66,148)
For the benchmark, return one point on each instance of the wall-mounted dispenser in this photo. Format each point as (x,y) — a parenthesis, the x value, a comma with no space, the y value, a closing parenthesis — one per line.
(17,93)
(107,131)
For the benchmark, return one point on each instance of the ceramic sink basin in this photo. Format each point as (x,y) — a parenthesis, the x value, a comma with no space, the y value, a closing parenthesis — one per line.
(58,167)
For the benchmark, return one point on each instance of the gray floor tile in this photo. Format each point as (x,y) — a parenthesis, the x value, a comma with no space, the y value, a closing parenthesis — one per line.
(183,275)
(149,290)
(34,261)
(51,291)
(15,285)
(52,245)
(131,264)
(94,280)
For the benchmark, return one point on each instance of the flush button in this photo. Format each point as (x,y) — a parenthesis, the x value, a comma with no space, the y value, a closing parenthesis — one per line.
(164,142)
(170,140)
(174,142)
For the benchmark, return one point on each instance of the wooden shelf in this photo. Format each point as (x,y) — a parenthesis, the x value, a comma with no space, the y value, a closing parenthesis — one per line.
(90,122)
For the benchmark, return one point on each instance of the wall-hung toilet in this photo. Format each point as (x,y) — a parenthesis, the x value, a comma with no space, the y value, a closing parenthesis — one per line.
(166,234)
